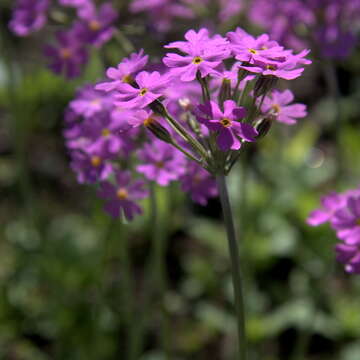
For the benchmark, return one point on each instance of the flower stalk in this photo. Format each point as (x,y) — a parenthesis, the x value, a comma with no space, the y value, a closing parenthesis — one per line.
(235,265)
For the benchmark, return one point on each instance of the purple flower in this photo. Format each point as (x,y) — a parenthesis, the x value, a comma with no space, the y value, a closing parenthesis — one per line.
(346,221)
(330,203)
(203,55)
(150,87)
(69,56)
(125,71)
(277,104)
(29,16)
(90,168)
(226,124)
(199,183)
(122,197)
(288,69)
(250,49)
(161,163)
(104,134)
(349,255)
(96,27)
(89,102)
(162,12)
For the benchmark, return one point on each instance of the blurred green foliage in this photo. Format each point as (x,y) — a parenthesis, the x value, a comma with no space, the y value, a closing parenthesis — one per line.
(74,284)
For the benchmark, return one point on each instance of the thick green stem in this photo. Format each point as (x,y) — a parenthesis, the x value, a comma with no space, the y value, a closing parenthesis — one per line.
(235,264)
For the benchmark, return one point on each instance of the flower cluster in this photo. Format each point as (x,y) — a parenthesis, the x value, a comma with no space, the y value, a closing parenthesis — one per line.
(93,26)
(330,24)
(196,113)
(342,211)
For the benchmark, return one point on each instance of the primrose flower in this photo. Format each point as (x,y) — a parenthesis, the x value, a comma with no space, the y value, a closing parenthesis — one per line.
(198,183)
(90,168)
(343,212)
(203,55)
(103,132)
(150,87)
(346,221)
(226,123)
(122,197)
(124,72)
(349,255)
(161,163)
(330,203)
(96,26)
(162,12)
(249,49)
(90,102)
(69,56)
(278,104)
(29,16)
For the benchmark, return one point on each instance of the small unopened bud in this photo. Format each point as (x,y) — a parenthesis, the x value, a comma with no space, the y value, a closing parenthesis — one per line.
(263,125)
(225,91)
(158,130)
(264,84)
(158,108)
(242,73)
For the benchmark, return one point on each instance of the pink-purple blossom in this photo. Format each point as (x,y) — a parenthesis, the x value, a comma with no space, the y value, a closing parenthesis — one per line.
(227,124)
(29,16)
(69,55)
(123,196)
(151,86)
(125,72)
(279,105)
(342,211)
(202,55)
(160,162)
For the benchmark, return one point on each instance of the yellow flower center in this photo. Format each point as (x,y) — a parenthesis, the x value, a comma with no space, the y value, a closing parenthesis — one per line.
(225,122)
(143,91)
(358,222)
(270,67)
(65,53)
(94,25)
(149,121)
(159,164)
(105,132)
(96,101)
(122,194)
(197,60)
(96,161)
(127,79)
(276,108)
(253,51)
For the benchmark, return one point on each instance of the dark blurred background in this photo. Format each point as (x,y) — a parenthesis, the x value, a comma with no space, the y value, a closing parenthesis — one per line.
(76,285)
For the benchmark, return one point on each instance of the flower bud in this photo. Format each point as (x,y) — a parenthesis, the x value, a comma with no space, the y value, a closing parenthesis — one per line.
(225,91)
(158,130)
(264,84)
(263,126)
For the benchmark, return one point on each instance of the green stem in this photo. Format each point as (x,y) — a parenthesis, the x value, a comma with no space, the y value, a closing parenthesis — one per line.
(155,285)
(235,264)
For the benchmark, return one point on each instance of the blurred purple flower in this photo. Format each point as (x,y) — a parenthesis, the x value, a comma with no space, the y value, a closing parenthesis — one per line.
(96,26)
(160,162)
(330,203)
(346,221)
(123,196)
(90,168)
(278,104)
(198,183)
(28,16)
(70,54)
